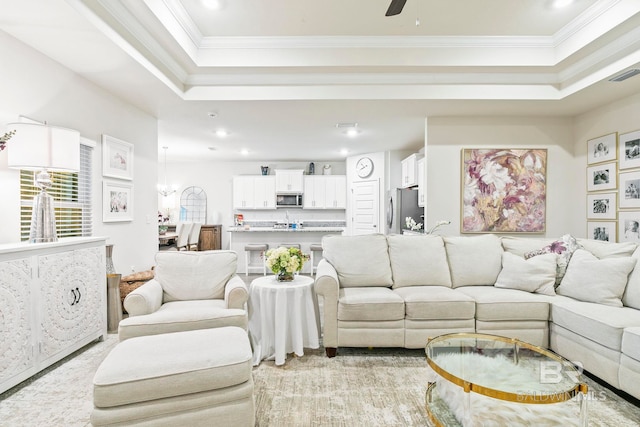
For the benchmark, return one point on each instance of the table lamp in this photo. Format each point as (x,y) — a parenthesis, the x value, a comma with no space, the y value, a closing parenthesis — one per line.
(42,148)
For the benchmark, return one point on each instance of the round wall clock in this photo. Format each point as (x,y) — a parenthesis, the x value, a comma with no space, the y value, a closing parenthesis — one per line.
(364,167)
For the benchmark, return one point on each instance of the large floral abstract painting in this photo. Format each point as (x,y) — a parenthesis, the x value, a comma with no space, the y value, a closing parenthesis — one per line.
(504,190)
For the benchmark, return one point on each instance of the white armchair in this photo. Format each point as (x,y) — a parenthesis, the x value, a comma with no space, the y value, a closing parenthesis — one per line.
(191,290)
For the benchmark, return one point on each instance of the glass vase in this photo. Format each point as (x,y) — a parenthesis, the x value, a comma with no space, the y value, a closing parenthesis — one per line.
(283,276)
(110,268)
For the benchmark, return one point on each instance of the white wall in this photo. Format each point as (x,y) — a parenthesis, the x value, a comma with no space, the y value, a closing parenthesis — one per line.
(41,89)
(216,179)
(446,136)
(621,116)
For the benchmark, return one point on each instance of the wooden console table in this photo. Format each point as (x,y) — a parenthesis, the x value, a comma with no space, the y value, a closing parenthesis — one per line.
(210,238)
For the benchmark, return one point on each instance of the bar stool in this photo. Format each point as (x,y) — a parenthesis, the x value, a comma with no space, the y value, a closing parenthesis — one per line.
(248,250)
(314,247)
(290,245)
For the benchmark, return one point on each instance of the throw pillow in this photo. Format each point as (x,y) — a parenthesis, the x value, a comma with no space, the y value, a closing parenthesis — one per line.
(537,274)
(475,260)
(631,297)
(596,280)
(606,249)
(563,249)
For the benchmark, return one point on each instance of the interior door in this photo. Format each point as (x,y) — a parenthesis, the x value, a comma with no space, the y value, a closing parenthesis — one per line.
(365,207)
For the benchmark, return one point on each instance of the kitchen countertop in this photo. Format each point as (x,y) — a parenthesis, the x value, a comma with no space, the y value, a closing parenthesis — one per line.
(285,230)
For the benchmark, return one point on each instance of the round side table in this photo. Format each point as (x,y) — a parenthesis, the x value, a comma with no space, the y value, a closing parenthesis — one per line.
(283,318)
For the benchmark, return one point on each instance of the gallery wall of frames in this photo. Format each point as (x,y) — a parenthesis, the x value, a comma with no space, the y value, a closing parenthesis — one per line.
(613,187)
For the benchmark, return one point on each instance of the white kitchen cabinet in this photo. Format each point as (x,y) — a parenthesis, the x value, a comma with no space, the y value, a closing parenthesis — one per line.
(410,171)
(264,192)
(289,180)
(336,192)
(243,192)
(314,192)
(325,192)
(254,192)
(422,184)
(53,300)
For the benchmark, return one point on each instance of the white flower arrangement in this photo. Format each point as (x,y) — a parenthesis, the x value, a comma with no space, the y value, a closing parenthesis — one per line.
(412,225)
(285,260)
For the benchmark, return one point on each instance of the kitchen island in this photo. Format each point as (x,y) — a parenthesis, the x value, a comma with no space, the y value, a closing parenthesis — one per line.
(305,236)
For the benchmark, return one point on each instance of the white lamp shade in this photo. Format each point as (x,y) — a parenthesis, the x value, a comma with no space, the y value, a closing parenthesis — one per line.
(37,147)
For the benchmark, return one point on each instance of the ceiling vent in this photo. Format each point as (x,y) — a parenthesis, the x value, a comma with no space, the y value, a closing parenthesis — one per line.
(624,76)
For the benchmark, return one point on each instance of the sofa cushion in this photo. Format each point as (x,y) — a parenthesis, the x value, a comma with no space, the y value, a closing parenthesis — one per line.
(596,280)
(374,303)
(563,248)
(537,274)
(631,342)
(418,260)
(180,316)
(177,364)
(359,260)
(474,260)
(600,323)
(608,250)
(436,303)
(521,245)
(195,275)
(495,304)
(631,297)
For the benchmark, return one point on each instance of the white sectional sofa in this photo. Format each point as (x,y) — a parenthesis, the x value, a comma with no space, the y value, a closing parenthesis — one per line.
(398,290)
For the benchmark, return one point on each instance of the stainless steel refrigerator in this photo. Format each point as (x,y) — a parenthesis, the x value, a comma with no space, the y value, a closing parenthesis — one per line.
(402,203)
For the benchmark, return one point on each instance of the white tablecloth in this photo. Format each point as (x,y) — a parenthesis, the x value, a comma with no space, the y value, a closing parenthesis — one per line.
(283,318)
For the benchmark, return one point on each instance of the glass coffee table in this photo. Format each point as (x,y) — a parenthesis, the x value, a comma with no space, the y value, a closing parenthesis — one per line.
(503,373)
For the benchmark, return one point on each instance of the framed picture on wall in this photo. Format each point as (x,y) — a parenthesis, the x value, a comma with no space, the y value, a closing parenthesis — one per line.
(602,149)
(630,190)
(629,226)
(504,190)
(601,206)
(629,148)
(117,201)
(602,230)
(117,158)
(602,177)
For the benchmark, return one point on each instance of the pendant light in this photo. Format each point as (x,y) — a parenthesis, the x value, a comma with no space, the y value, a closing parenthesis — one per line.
(164,189)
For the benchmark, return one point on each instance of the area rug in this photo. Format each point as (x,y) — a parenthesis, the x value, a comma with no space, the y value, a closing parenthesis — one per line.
(377,387)
(359,387)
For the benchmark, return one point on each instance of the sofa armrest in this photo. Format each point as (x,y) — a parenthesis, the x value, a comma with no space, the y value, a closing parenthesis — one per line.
(236,293)
(144,300)
(328,286)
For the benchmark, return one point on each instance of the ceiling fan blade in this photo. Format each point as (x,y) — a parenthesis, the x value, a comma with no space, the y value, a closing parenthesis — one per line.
(395,7)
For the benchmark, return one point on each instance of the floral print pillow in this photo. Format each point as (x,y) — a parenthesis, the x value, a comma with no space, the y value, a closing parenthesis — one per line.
(563,249)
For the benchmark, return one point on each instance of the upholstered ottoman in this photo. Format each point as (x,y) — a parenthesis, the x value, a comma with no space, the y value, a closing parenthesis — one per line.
(191,378)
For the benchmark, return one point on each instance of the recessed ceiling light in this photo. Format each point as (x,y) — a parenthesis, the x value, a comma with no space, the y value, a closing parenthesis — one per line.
(349,129)
(344,152)
(244,151)
(561,3)
(221,133)
(213,4)
(353,132)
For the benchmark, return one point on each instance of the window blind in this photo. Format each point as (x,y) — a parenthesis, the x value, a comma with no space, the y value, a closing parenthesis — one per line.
(71,194)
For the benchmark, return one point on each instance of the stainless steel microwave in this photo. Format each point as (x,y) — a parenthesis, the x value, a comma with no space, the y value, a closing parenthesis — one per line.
(289,200)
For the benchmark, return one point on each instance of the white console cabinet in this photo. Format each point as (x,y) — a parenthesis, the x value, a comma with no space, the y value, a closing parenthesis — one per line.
(52,303)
